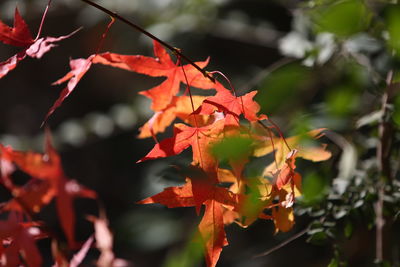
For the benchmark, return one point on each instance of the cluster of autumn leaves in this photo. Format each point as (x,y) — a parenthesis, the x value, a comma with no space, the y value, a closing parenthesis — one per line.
(210,125)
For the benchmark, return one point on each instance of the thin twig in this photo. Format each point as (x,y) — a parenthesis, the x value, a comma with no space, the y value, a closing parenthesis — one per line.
(284,243)
(174,50)
(42,21)
(273,147)
(267,71)
(383,153)
(103,36)
(278,129)
(227,79)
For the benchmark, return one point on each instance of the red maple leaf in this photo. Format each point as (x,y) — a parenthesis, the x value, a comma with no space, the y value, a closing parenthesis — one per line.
(173,197)
(20,36)
(21,238)
(199,138)
(286,174)
(79,67)
(180,107)
(47,168)
(231,105)
(212,231)
(160,66)
(211,226)
(32,196)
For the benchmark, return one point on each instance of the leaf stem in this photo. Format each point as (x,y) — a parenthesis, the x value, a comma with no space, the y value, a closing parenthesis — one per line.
(194,115)
(103,36)
(175,50)
(227,79)
(273,147)
(278,129)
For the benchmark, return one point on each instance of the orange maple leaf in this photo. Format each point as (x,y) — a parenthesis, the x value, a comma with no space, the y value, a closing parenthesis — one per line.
(180,107)
(213,197)
(160,66)
(199,138)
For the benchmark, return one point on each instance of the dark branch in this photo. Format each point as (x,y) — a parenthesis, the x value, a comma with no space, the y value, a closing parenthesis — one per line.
(174,50)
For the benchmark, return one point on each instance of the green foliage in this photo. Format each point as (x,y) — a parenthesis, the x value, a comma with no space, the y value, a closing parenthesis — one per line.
(232,148)
(342,100)
(314,189)
(343,18)
(282,86)
(190,255)
(393,25)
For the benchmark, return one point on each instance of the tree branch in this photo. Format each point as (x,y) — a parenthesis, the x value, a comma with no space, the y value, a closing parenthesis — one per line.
(174,50)
(383,153)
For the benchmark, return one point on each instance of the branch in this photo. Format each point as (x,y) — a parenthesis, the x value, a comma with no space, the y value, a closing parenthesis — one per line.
(383,153)
(174,50)
(284,243)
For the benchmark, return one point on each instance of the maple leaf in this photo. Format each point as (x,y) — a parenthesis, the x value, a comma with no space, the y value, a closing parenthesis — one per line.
(160,66)
(199,187)
(282,214)
(11,63)
(173,197)
(234,148)
(211,226)
(283,219)
(313,152)
(79,67)
(282,169)
(43,45)
(232,106)
(78,257)
(212,230)
(32,196)
(180,107)
(199,138)
(104,243)
(285,174)
(254,196)
(22,242)
(20,36)
(47,167)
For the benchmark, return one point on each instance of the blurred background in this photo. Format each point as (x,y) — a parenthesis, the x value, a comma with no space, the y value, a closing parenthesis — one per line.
(315,64)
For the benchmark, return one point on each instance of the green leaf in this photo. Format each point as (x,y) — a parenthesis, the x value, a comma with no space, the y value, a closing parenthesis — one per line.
(282,87)
(314,188)
(348,229)
(318,238)
(190,255)
(342,101)
(232,148)
(343,18)
(334,263)
(393,26)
